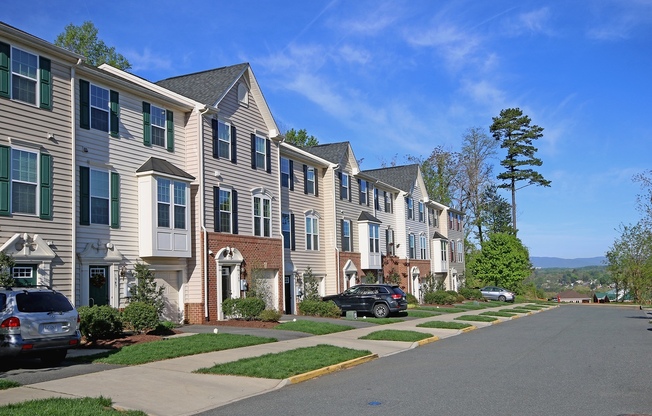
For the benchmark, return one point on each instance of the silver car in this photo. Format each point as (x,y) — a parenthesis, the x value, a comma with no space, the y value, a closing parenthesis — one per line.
(497,293)
(37,323)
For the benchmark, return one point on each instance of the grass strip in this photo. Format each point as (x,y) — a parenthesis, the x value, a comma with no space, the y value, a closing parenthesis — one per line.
(531,307)
(422,314)
(286,364)
(475,318)
(381,321)
(440,309)
(470,307)
(8,384)
(516,310)
(444,325)
(175,347)
(396,335)
(501,314)
(65,407)
(313,327)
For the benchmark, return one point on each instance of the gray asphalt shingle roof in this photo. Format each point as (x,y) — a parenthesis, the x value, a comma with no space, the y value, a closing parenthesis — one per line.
(333,152)
(196,86)
(401,177)
(154,164)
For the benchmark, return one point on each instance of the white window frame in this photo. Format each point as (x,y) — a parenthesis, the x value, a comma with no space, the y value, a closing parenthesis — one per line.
(460,250)
(346,236)
(312,233)
(310,181)
(94,116)
(374,238)
(96,195)
(262,220)
(286,229)
(261,141)
(285,172)
(345,185)
(180,207)
(411,246)
(158,123)
(388,202)
(36,183)
(423,247)
(226,213)
(224,139)
(410,208)
(16,52)
(444,250)
(422,213)
(391,248)
(363,192)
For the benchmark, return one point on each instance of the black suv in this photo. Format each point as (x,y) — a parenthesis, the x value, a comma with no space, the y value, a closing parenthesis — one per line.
(377,299)
(37,323)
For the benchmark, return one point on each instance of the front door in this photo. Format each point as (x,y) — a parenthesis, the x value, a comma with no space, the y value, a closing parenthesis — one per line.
(289,295)
(226,282)
(98,285)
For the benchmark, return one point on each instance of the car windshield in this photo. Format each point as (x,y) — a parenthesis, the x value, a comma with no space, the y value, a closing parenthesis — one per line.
(42,302)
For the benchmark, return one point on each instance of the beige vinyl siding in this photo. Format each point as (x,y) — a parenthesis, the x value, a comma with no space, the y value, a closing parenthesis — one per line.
(386,218)
(27,123)
(240,176)
(193,289)
(328,229)
(124,155)
(415,226)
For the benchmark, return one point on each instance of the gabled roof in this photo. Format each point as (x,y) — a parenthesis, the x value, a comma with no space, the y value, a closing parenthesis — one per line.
(196,86)
(439,236)
(333,152)
(365,216)
(400,177)
(157,165)
(571,294)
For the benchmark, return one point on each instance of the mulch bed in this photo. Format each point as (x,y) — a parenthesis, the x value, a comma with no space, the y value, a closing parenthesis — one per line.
(131,339)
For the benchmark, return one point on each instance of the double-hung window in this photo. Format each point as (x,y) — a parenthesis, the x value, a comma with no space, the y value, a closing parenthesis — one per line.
(412,246)
(262,216)
(24,184)
(363,192)
(223,140)
(374,238)
(225,210)
(344,186)
(171,204)
(422,213)
(423,247)
(460,250)
(99,108)
(376,201)
(444,250)
(311,187)
(24,68)
(100,196)
(286,229)
(388,202)
(410,208)
(285,172)
(158,125)
(346,235)
(389,240)
(261,151)
(25,76)
(312,233)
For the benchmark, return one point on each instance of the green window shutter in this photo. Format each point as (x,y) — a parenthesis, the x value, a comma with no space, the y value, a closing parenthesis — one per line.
(84,105)
(84,195)
(114,125)
(115,200)
(5,54)
(147,131)
(4,180)
(46,187)
(46,83)
(169,118)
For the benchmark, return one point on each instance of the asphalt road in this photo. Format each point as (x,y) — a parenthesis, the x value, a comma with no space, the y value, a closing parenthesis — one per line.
(574,360)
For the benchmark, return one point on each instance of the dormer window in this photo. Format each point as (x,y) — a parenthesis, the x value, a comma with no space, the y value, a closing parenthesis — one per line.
(243,94)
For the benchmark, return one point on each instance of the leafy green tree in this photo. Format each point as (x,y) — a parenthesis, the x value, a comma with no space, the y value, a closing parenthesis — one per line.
(629,260)
(146,290)
(502,261)
(6,264)
(440,173)
(310,286)
(515,134)
(300,138)
(83,40)
(495,213)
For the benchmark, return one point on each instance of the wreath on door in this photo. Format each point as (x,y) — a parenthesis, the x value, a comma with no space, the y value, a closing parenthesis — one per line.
(98,279)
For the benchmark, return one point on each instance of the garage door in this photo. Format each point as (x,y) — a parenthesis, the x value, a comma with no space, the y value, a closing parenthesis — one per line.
(171,284)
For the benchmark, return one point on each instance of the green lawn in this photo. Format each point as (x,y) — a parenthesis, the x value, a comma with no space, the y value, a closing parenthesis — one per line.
(422,314)
(65,407)
(380,321)
(444,325)
(516,310)
(501,314)
(175,347)
(396,335)
(440,309)
(288,363)
(7,384)
(476,318)
(469,307)
(313,327)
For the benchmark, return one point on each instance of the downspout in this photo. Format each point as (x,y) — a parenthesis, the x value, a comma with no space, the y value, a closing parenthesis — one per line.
(73,183)
(337,251)
(202,211)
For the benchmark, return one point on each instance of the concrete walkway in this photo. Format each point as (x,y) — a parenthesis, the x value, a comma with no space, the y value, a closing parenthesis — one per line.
(169,388)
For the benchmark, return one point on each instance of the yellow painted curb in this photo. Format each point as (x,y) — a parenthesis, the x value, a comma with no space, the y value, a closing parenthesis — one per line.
(470,328)
(496,322)
(427,341)
(515,317)
(331,369)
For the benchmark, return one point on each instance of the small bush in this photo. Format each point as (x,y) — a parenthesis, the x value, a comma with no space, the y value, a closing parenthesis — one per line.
(165,328)
(319,308)
(440,297)
(243,308)
(471,294)
(141,317)
(270,315)
(411,299)
(99,322)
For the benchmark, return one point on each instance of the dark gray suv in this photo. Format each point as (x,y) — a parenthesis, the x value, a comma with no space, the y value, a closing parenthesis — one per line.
(377,299)
(37,323)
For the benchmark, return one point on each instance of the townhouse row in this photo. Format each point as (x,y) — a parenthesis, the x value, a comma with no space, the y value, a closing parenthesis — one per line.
(101,170)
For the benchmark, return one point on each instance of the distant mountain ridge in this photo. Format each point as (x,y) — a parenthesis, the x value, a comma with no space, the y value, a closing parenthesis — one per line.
(551,262)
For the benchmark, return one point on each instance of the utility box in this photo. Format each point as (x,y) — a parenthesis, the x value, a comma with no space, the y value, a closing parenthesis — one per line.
(351,314)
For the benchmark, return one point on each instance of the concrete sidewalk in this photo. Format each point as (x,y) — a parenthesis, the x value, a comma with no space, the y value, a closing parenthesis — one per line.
(169,388)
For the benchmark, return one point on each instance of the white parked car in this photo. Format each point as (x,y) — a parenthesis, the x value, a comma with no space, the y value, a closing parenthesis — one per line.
(497,293)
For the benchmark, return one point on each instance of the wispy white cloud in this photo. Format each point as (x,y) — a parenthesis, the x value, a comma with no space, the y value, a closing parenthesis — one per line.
(146,60)
(353,55)
(618,20)
(371,22)
(456,46)
(530,22)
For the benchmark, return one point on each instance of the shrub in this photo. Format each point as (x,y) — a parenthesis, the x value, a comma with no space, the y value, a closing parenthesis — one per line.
(165,328)
(411,299)
(141,317)
(471,294)
(270,315)
(319,308)
(99,322)
(146,290)
(440,297)
(243,308)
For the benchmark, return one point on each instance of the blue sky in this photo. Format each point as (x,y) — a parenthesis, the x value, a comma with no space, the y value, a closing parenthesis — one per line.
(398,78)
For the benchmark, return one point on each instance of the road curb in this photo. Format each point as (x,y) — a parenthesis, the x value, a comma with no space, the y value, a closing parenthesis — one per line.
(470,328)
(330,369)
(425,341)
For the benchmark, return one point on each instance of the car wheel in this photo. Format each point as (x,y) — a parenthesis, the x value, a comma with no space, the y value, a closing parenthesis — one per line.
(381,310)
(502,298)
(53,357)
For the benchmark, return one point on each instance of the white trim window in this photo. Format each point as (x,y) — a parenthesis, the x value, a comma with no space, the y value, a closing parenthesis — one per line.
(158,123)
(412,248)
(388,201)
(225,210)
(171,204)
(223,139)
(286,229)
(460,250)
(422,216)
(444,250)
(363,192)
(24,181)
(285,172)
(310,180)
(410,208)
(423,247)
(346,235)
(344,186)
(374,238)
(24,76)
(100,196)
(261,152)
(99,105)
(262,216)
(312,233)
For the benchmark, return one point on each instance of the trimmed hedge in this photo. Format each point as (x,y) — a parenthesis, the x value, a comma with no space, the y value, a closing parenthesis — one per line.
(319,308)
(243,308)
(471,294)
(140,316)
(440,297)
(99,322)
